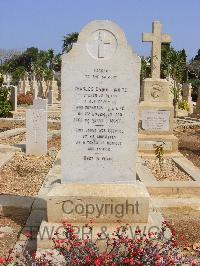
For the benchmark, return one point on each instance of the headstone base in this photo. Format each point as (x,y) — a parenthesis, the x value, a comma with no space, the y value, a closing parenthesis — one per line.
(105,204)
(147,143)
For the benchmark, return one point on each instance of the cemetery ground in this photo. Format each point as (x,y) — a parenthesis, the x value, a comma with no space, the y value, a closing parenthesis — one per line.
(111,157)
(23,175)
(189,143)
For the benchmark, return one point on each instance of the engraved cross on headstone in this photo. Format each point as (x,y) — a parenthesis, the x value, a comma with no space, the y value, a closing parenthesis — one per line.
(157,38)
(101,44)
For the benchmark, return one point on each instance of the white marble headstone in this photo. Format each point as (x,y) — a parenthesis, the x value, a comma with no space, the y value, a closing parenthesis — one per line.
(40,104)
(50,97)
(36,132)
(100,94)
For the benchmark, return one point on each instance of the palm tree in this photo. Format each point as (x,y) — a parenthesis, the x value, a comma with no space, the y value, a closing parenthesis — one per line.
(48,77)
(38,70)
(50,56)
(68,41)
(145,68)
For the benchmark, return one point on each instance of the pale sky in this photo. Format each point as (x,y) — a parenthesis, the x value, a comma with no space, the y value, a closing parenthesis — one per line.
(43,23)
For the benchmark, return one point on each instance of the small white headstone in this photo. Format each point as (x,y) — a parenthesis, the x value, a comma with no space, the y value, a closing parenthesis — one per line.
(36,132)
(156,120)
(50,97)
(40,104)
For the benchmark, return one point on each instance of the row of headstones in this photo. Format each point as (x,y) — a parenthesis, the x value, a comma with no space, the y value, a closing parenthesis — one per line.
(25,85)
(36,87)
(14,94)
(185,96)
(36,126)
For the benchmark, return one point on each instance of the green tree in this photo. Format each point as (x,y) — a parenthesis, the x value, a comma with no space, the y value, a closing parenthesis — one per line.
(194,74)
(197,57)
(29,60)
(1,80)
(68,41)
(174,65)
(48,77)
(5,105)
(57,63)
(18,74)
(145,68)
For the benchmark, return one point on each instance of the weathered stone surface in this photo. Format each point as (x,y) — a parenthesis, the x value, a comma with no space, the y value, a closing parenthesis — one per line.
(100,94)
(155,90)
(151,145)
(40,104)
(157,38)
(103,203)
(146,143)
(156,120)
(156,110)
(36,132)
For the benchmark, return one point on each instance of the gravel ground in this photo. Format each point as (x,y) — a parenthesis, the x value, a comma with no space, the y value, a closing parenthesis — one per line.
(10,228)
(13,140)
(166,171)
(185,221)
(54,126)
(6,125)
(55,142)
(189,143)
(23,175)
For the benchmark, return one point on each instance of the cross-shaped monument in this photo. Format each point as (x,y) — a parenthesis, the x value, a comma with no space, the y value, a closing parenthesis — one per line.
(157,38)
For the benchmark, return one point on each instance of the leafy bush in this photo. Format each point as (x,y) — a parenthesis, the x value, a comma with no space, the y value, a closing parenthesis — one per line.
(184,106)
(25,99)
(1,80)
(5,105)
(153,248)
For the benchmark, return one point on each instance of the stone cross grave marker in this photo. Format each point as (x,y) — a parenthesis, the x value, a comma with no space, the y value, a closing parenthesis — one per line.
(156,110)
(157,38)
